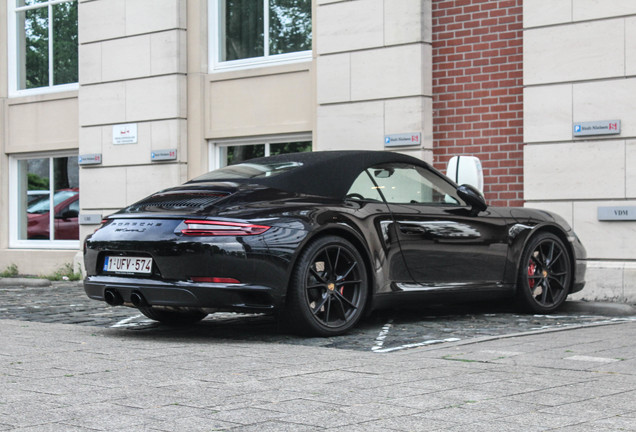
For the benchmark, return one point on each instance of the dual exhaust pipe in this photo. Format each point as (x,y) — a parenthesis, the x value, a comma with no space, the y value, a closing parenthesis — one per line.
(114,298)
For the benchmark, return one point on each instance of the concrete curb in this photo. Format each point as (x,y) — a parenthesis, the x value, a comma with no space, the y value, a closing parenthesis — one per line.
(27,282)
(599,307)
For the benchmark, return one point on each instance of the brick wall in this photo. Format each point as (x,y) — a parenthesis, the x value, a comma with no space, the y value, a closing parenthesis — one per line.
(478,91)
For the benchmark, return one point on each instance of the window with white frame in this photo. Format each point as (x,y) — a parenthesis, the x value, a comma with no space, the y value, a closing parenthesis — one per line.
(43,45)
(230,152)
(44,201)
(248,32)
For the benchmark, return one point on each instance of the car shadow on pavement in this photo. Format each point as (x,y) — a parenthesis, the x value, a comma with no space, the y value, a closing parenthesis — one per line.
(382,331)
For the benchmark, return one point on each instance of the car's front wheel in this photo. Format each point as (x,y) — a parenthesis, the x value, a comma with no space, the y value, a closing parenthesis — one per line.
(173,316)
(328,289)
(545,274)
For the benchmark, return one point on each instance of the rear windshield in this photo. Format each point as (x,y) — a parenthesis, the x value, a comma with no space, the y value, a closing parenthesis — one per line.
(249,171)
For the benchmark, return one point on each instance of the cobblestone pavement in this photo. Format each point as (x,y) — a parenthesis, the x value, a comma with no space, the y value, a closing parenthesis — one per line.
(382,331)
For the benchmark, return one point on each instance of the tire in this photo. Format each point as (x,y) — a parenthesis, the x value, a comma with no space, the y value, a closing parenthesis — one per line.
(545,274)
(173,316)
(328,289)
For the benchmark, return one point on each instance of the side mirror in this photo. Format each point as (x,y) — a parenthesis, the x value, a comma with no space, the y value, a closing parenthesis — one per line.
(473,197)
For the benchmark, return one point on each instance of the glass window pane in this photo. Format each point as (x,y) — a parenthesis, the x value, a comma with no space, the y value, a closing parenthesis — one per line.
(231,155)
(66,196)
(289,26)
(65,43)
(403,183)
(242,30)
(364,188)
(33,48)
(33,199)
(293,147)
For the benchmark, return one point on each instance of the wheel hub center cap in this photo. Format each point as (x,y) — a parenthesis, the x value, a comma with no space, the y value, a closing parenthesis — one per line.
(331,286)
(545,273)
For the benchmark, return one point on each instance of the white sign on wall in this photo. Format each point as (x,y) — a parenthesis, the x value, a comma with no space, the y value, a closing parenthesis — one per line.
(403,139)
(602,127)
(617,213)
(125,133)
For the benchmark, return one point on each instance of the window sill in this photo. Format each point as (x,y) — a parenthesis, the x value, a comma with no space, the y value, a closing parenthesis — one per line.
(261,69)
(45,244)
(43,95)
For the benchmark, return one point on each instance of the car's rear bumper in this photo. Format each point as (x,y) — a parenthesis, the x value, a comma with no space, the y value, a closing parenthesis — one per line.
(236,297)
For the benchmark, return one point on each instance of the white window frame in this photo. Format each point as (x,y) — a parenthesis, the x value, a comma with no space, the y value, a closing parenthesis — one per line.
(14,241)
(215,146)
(12,62)
(215,38)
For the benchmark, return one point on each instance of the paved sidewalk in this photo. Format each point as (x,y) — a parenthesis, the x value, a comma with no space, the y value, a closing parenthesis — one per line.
(59,377)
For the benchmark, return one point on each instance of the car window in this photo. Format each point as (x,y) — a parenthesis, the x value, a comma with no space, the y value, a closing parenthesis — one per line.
(363,188)
(411,184)
(74,206)
(42,205)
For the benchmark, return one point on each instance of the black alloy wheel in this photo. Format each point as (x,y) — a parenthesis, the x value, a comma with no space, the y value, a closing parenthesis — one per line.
(329,288)
(545,274)
(173,316)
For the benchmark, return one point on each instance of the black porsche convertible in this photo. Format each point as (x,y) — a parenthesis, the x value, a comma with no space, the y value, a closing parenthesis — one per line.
(321,239)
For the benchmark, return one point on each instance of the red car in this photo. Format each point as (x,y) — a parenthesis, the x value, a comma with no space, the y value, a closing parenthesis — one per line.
(66,205)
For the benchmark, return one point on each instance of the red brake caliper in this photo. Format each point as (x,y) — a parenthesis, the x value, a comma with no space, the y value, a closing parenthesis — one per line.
(532,267)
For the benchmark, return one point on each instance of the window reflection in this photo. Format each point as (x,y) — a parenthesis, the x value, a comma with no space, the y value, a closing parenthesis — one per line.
(45,184)
(231,155)
(46,43)
(289,26)
(261,28)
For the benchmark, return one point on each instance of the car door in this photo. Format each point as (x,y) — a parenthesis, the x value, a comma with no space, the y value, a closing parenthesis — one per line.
(374,211)
(66,221)
(444,244)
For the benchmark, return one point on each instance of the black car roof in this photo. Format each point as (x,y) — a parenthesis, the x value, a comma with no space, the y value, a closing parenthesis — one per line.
(324,173)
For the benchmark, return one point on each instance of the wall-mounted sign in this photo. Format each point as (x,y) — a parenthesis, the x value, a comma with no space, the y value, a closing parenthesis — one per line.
(403,139)
(125,133)
(617,213)
(603,127)
(89,219)
(163,155)
(90,159)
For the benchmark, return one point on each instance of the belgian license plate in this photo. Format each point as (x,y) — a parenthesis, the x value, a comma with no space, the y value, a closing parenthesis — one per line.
(117,264)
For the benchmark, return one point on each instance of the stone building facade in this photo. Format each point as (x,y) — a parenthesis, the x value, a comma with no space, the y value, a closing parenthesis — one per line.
(160,91)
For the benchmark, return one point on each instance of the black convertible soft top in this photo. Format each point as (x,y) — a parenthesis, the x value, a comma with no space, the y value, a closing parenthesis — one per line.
(322,173)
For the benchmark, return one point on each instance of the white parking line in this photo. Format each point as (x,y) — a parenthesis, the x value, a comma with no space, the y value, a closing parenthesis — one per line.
(379,341)
(592,359)
(415,345)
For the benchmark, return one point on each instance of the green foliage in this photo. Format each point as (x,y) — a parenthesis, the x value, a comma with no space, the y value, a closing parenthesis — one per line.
(289,26)
(36,35)
(36,42)
(64,273)
(10,271)
(65,43)
(35,182)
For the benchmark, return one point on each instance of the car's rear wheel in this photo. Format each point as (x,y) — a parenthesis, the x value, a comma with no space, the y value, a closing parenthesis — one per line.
(173,316)
(545,274)
(328,289)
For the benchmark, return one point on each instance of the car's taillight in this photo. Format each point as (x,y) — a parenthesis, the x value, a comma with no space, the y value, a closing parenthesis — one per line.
(218,228)
(101,225)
